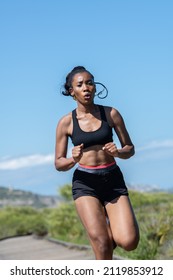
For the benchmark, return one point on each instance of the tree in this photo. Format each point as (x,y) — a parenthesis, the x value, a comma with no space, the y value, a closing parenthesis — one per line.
(66,192)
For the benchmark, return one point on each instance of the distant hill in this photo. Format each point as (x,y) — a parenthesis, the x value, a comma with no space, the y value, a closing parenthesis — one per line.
(148,188)
(14,197)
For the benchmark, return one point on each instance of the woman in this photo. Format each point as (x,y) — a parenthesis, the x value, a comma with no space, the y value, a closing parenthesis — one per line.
(99,191)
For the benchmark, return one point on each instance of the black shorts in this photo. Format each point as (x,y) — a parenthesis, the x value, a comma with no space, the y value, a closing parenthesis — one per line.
(106,184)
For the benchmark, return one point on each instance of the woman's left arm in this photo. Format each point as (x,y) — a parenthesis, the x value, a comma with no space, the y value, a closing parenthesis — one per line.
(127,148)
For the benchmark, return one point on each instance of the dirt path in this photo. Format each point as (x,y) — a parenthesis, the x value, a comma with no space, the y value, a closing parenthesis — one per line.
(30,248)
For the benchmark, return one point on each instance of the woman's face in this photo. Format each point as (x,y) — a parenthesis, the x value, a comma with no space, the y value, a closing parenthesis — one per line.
(83,88)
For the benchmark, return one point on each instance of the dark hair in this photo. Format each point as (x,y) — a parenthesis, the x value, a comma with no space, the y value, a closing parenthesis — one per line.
(69,78)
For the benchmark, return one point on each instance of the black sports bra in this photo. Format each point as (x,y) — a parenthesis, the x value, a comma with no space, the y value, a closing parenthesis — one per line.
(100,136)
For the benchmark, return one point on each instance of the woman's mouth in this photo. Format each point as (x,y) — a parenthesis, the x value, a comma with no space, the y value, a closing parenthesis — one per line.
(87,96)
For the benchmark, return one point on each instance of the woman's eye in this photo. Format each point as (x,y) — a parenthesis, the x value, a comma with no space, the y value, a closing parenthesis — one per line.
(90,83)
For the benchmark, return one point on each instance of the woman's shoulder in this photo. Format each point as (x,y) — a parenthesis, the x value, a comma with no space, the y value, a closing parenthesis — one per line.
(112,115)
(110,110)
(65,120)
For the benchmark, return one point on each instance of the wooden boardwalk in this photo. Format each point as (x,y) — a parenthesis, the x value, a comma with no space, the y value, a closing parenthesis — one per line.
(32,248)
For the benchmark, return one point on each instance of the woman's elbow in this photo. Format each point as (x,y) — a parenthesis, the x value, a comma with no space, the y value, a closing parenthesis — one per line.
(57,165)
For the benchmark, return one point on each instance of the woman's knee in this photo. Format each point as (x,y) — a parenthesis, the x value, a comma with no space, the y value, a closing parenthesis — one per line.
(101,242)
(129,243)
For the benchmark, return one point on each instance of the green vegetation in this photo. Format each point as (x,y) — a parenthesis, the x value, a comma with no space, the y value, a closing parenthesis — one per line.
(21,221)
(154,212)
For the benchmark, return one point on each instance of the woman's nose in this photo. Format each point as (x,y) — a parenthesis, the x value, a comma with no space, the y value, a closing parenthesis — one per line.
(85,87)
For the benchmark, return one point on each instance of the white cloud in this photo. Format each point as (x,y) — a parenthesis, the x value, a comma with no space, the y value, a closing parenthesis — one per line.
(25,161)
(165,144)
(155,150)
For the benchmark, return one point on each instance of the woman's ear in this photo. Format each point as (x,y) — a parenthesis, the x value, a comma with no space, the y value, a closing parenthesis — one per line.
(71,91)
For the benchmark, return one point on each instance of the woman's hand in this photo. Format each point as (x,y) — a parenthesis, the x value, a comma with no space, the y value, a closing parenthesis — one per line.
(111,149)
(77,152)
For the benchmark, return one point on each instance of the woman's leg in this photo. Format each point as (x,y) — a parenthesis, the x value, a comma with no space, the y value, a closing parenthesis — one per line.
(123,223)
(92,215)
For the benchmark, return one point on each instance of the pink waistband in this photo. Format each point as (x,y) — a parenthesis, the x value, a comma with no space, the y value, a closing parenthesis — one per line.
(97,166)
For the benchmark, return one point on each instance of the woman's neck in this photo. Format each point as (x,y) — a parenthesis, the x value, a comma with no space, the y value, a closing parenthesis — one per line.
(86,109)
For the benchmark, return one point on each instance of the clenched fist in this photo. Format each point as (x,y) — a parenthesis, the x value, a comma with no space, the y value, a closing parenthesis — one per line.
(77,152)
(111,149)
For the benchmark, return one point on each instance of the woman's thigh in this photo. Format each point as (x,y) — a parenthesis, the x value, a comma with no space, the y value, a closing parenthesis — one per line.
(92,215)
(123,223)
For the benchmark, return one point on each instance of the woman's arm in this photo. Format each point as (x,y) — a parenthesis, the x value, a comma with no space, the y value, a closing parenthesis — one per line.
(62,163)
(127,149)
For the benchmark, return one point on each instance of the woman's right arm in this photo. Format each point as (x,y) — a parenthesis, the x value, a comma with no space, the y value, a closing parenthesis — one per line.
(62,163)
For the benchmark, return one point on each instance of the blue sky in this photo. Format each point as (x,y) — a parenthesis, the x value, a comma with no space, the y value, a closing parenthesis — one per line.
(127,45)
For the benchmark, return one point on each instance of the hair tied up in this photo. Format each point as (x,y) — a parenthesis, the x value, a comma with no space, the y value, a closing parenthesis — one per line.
(78,69)
(64,92)
(103,91)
